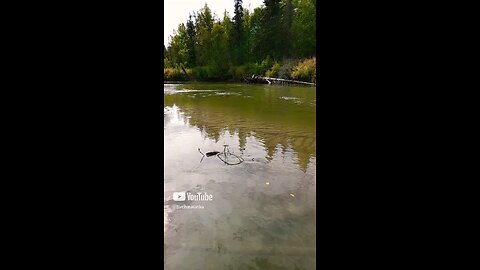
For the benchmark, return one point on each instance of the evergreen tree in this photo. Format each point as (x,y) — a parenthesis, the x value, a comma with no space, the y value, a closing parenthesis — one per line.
(203,26)
(238,20)
(218,58)
(279,29)
(178,47)
(247,49)
(228,28)
(166,62)
(287,20)
(191,60)
(257,52)
(304,28)
(238,32)
(271,34)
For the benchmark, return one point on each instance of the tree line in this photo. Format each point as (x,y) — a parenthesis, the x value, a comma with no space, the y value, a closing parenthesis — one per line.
(272,39)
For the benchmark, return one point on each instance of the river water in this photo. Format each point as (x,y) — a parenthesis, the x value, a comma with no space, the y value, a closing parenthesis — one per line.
(262,211)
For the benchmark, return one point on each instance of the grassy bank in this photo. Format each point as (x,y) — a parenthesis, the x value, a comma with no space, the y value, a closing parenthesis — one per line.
(292,69)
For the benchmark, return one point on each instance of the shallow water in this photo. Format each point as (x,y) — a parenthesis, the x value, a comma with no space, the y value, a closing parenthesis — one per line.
(262,214)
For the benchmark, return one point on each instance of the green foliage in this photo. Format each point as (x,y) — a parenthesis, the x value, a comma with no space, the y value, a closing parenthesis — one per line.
(238,72)
(209,73)
(251,68)
(285,71)
(266,65)
(191,59)
(258,43)
(304,28)
(177,51)
(273,72)
(200,73)
(287,21)
(204,25)
(175,74)
(258,68)
(254,51)
(219,48)
(271,35)
(237,35)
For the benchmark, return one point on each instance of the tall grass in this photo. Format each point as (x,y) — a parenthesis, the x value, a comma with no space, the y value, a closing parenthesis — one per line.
(273,72)
(175,74)
(302,70)
(305,70)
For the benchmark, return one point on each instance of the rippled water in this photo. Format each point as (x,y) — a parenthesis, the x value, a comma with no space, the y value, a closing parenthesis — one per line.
(262,215)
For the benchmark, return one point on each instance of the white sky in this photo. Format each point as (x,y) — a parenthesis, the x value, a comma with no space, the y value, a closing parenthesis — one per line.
(176,11)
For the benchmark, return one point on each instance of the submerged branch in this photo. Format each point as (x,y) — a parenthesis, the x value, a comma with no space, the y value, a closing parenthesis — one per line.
(226,153)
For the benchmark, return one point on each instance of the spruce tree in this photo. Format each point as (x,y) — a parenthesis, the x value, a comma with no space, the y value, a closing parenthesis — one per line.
(238,39)
(191,61)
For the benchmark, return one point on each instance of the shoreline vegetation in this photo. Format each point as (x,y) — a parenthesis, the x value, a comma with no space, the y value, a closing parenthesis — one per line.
(277,40)
(304,70)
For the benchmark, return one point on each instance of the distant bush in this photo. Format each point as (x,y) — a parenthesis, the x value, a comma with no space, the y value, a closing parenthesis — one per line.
(253,68)
(305,70)
(273,72)
(258,69)
(210,73)
(200,73)
(237,73)
(265,65)
(175,74)
(217,72)
(286,69)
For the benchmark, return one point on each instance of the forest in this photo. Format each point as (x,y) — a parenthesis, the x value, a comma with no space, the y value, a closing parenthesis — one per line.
(277,39)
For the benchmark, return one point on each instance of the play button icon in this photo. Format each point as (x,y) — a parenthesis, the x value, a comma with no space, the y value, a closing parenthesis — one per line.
(179,196)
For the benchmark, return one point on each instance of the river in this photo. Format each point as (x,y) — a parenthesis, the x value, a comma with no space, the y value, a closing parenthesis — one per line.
(262,210)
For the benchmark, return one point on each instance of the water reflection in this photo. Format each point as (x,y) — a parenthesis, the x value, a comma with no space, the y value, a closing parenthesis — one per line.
(263,212)
(282,118)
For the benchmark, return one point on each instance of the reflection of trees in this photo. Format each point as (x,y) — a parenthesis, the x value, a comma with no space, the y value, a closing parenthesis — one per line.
(213,117)
(242,138)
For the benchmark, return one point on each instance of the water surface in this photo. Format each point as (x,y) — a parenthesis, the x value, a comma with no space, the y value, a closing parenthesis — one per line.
(262,215)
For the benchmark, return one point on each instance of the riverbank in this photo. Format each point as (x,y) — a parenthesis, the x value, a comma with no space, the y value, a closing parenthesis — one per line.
(292,69)
(175,82)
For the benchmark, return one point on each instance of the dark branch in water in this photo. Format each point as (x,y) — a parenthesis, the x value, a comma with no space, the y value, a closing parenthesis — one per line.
(240,160)
(226,153)
(209,154)
(203,155)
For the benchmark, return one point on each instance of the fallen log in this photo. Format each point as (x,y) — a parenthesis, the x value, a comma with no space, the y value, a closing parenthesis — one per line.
(269,80)
(287,81)
(255,79)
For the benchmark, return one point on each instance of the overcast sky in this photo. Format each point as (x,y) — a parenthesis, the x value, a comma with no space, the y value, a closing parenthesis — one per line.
(176,11)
